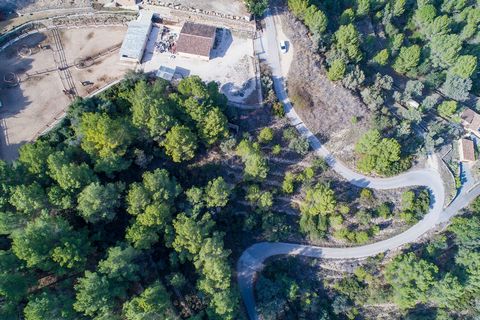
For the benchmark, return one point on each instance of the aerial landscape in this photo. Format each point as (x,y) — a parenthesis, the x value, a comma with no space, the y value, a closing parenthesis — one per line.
(239,159)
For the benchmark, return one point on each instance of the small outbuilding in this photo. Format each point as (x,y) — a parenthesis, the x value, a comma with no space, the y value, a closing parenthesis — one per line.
(471,121)
(165,73)
(466,150)
(136,38)
(196,40)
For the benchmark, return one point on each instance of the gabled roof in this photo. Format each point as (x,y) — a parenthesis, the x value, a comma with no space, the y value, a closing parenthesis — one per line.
(467,150)
(471,119)
(196,39)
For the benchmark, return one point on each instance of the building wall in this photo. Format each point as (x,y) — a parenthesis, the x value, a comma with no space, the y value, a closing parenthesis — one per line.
(193,56)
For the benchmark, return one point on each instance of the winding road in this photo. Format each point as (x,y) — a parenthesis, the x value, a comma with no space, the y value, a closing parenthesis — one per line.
(252,259)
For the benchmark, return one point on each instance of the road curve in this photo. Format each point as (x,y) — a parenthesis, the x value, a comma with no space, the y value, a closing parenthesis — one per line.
(252,259)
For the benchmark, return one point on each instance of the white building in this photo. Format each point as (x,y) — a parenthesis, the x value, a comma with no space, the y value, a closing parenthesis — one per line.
(136,38)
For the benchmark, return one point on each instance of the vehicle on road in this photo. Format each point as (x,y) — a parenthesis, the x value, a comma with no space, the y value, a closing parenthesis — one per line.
(283,46)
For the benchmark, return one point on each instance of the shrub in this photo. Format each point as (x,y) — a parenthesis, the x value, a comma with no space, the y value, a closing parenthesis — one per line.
(265,135)
(337,70)
(447,108)
(381,57)
(276,150)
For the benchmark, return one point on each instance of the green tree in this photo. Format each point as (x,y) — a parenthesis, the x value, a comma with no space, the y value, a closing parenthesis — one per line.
(407,59)
(189,234)
(152,303)
(319,200)
(70,176)
(445,49)
(347,16)
(95,294)
(150,110)
(465,66)
(34,156)
(49,243)
(213,127)
(347,40)
(257,7)
(447,108)
(447,292)
(411,279)
(99,202)
(424,15)
(261,199)
(337,70)
(456,87)
(193,86)
(120,264)
(106,140)
(256,166)
(363,7)
(217,193)
(381,57)
(288,183)
(265,135)
(377,154)
(298,8)
(28,198)
(315,20)
(439,26)
(180,143)
(399,7)
(50,305)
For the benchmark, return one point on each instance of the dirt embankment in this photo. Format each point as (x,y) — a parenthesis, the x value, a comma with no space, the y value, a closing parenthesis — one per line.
(327,108)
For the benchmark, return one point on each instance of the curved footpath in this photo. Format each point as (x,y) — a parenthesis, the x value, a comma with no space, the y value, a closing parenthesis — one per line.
(252,259)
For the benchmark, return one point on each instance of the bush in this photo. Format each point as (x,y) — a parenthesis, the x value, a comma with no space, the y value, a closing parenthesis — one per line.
(456,87)
(265,135)
(300,145)
(277,108)
(447,108)
(384,211)
(276,150)
(408,59)
(381,58)
(337,70)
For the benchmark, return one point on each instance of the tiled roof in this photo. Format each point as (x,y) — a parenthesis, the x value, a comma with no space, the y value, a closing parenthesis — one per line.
(196,39)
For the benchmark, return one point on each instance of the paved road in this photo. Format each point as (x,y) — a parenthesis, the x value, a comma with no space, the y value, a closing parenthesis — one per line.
(252,259)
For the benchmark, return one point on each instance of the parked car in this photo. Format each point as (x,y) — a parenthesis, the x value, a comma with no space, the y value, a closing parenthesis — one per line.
(283,46)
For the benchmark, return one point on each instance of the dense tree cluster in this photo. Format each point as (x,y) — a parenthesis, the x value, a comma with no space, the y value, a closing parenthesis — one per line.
(376,48)
(101,219)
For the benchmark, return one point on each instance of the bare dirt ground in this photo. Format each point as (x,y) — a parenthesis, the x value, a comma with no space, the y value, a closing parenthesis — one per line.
(37,101)
(329,108)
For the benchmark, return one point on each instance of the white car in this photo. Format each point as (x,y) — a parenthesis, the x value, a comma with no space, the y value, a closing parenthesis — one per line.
(283,46)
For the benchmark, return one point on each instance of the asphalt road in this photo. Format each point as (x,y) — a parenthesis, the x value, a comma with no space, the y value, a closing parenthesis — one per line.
(252,260)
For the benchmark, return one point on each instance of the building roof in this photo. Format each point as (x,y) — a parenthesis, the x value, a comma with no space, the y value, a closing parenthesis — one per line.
(165,73)
(136,37)
(467,150)
(471,119)
(467,115)
(196,39)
